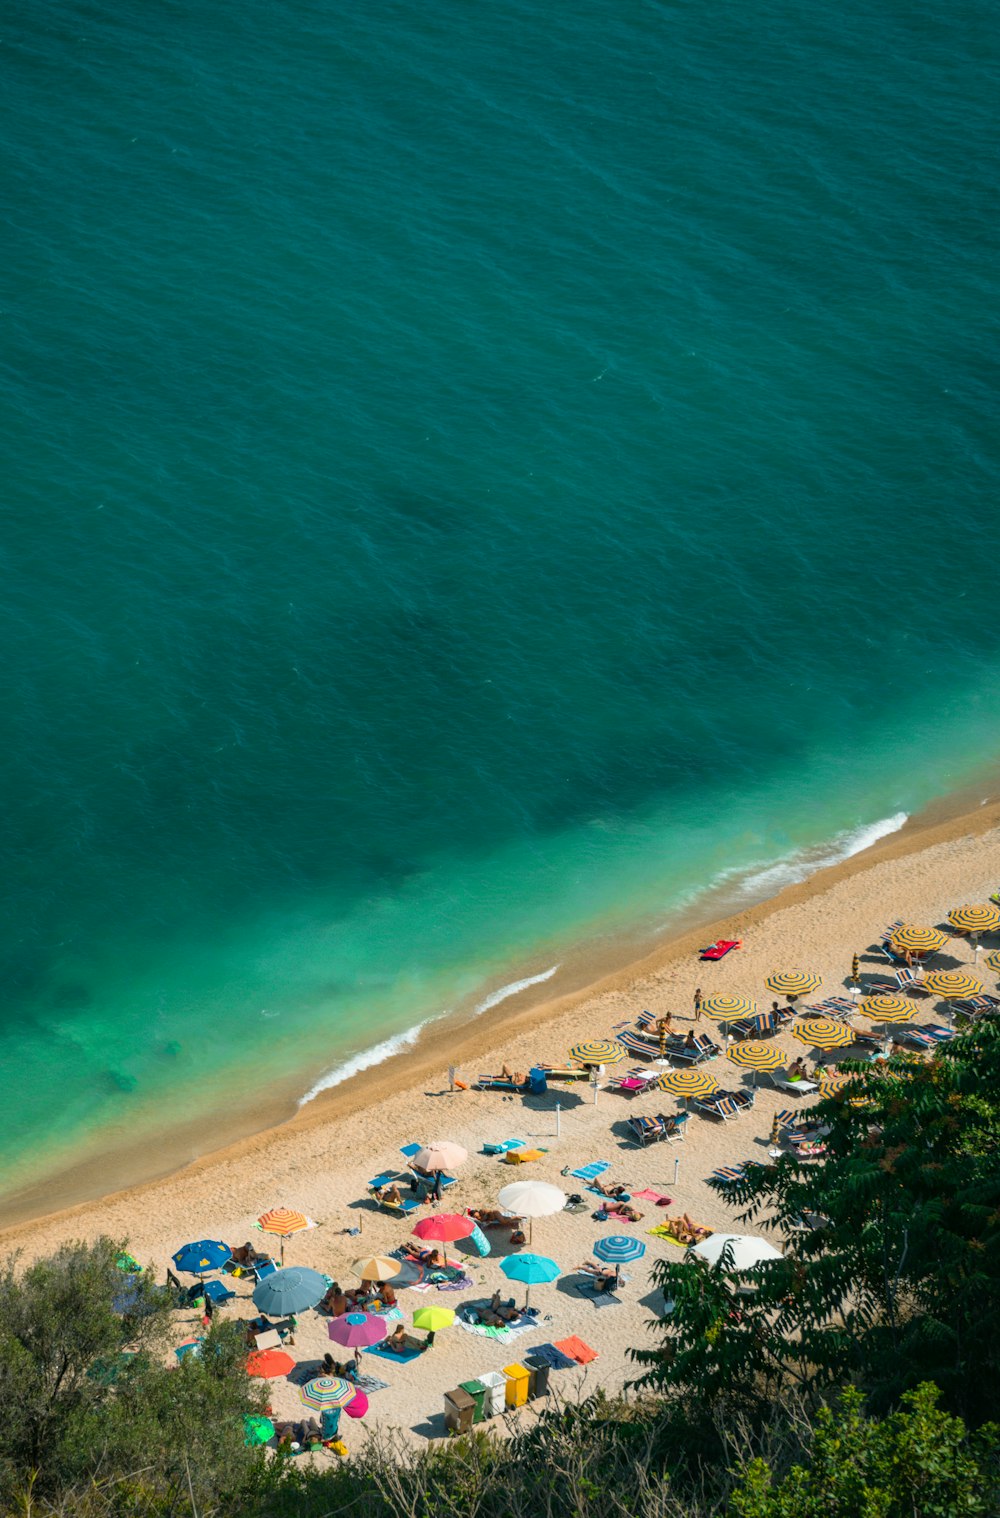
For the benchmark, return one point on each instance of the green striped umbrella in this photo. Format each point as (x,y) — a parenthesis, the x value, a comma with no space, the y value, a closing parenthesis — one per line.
(600,1051)
(889,1009)
(978,919)
(823,1033)
(792,983)
(727,1009)
(953,985)
(755,1055)
(688,1083)
(917,939)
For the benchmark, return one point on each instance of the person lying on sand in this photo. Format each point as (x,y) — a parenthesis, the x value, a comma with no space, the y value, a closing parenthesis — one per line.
(615,1190)
(606,1277)
(685,1230)
(505,1311)
(492,1217)
(622,1210)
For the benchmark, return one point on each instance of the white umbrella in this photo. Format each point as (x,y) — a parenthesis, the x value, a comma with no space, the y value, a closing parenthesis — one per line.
(532,1199)
(747,1251)
(441,1156)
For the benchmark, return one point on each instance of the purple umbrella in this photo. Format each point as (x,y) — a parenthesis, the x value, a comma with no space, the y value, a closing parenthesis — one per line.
(357,1330)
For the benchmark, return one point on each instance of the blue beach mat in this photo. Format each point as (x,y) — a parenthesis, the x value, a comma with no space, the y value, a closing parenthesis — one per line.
(591,1172)
(402,1358)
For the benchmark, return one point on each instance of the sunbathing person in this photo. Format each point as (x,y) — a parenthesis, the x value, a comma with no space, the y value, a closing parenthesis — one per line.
(391,1195)
(517,1076)
(797,1070)
(492,1217)
(622,1210)
(335,1302)
(690,1042)
(246,1255)
(385,1294)
(685,1230)
(505,1311)
(615,1190)
(606,1278)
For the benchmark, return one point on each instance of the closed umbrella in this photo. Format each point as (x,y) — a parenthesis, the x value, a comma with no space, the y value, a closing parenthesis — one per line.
(206,1254)
(377,1267)
(619,1249)
(532,1199)
(323,1393)
(530,1270)
(440,1156)
(446,1226)
(269,1362)
(357,1330)
(917,939)
(282,1222)
(824,1033)
(600,1051)
(747,1250)
(792,983)
(290,1290)
(687,1083)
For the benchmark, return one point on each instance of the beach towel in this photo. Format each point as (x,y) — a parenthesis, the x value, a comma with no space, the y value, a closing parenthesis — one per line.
(576,1350)
(401,1357)
(502,1148)
(369,1384)
(650,1194)
(605,1299)
(548,1354)
(502,1335)
(625,1196)
(387,1314)
(592,1171)
(522,1156)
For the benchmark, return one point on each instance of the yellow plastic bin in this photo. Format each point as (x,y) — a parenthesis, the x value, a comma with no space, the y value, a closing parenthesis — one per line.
(518,1381)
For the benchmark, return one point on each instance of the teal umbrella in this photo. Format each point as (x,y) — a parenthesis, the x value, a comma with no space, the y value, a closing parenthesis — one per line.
(530,1270)
(290,1290)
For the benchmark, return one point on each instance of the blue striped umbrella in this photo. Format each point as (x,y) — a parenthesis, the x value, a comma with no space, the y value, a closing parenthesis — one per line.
(619,1249)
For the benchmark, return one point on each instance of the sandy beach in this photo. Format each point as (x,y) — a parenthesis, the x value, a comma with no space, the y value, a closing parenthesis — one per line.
(321,1161)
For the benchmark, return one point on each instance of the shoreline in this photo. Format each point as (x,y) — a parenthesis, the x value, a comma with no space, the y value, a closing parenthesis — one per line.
(466,1036)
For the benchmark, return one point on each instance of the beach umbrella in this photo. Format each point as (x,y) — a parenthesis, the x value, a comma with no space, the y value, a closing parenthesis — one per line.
(619,1249)
(953,985)
(532,1199)
(269,1362)
(441,1156)
(823,1033)
(358,1405)
(831,1083)
(916,939)
(290,1290)
(530,1269)
(792,983)
(257,1430)
(753,1055)
(993,960)
(323,1393)
(206,1254)
(433,1319)
(358,1330)
(600,1051)
(889,1009)
(129,1264)
(687,1083)
(376,1267)
(284,1221)
(978,919)
(447,1226)
(747,1250)
(727,1009)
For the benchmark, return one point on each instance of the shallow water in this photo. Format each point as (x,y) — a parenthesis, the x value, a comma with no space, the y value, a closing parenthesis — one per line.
(473,480)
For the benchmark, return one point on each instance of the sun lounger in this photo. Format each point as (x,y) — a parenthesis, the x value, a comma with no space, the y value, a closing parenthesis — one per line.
(632,1082)
(678,1054)
(926,1038)
(801,1087)
(645,1020)
(910,980)
(883,946)
(641,1044)
(409,1150)
(672,1125)
(718,1105)
(645,1130)
(754,1027)
(504,1147)
(218,1292)
(494,1083)
(566,1073)
(402,1208)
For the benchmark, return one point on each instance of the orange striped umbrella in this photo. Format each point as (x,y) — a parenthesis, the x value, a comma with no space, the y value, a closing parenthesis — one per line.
(284,1221)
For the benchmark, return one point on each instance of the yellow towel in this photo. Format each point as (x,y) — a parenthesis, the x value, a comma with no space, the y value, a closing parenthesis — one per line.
(522,1156)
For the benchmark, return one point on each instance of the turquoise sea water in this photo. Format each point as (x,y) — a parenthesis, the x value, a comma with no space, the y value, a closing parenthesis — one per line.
(474,475)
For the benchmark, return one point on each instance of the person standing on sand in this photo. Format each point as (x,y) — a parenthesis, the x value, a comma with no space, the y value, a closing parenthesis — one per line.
(697,1005)
(855,974)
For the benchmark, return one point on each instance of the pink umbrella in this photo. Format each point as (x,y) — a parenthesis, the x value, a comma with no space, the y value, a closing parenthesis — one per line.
(447,1226)
(358,1407)
(356,1330)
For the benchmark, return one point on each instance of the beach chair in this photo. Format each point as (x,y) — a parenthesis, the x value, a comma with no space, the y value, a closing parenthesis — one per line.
(645,1020)
(720,1104)
(566,1073)
(494,1083)
(754,1027)
(883,945)
(780,1081)
(910,980)
(733,1172)
(673,1126)
(703,1051)
(645,1130)
(218,1293)
(632,1082)
(640,1043)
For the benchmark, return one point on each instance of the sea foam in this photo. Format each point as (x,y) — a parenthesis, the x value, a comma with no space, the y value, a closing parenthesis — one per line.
(512,988)
(366,1058)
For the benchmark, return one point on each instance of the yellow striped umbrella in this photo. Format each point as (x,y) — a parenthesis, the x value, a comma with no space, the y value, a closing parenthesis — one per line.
(953,985)
(756,1055)
(918,940)
(977,919)
(823,1033)
(726,1009)
(833,1083)
(688,1083)
(993,960)
(792,983)
(889,1009)
(600,1051)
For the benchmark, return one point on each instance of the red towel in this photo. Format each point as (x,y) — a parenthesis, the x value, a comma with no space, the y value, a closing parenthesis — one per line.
(577,1350)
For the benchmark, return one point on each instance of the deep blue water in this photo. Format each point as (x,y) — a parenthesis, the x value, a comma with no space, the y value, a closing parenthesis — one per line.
(473,474)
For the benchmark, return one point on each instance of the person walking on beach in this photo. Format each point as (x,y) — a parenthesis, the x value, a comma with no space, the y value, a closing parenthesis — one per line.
(697,1005)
